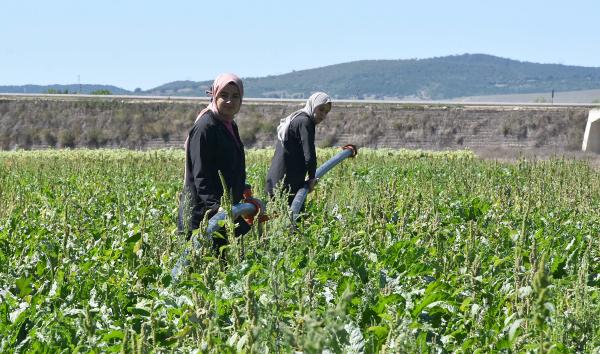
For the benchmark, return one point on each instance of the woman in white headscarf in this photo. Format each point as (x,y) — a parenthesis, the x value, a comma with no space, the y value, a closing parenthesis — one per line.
(295,159)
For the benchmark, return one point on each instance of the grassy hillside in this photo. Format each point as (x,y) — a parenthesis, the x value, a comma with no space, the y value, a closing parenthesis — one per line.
(75,121)
(583,96)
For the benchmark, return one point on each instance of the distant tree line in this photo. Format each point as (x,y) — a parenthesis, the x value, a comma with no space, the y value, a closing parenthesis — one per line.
(58,92)
(66,92)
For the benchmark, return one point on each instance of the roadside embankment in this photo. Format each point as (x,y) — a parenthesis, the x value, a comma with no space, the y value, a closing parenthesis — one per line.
(33,122)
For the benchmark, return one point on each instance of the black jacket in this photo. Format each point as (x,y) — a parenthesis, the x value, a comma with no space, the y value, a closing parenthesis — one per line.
(296,158)
(211,148)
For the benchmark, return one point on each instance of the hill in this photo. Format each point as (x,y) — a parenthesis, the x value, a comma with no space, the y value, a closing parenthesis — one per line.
(422,79)
(438,78)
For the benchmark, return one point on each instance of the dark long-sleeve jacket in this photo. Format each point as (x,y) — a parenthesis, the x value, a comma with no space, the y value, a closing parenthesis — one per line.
(211,148)
(296,158)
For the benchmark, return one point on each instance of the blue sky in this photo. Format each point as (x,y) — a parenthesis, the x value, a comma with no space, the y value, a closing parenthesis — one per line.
(148,43)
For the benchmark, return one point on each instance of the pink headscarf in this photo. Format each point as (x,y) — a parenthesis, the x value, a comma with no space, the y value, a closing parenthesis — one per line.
(220,82)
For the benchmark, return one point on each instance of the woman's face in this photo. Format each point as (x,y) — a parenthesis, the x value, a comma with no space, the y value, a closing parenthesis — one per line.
(229,101)
(320,112)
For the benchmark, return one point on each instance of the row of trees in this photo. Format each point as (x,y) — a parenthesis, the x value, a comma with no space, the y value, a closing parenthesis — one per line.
(66,92)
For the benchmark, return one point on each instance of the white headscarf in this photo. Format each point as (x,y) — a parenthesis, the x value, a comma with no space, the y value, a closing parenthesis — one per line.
(315,100)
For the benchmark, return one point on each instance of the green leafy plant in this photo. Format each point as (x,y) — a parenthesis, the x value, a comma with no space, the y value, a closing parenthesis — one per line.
(398,251)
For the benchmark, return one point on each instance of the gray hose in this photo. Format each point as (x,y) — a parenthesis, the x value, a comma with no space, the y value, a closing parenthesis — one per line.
(213,225)
(322,170)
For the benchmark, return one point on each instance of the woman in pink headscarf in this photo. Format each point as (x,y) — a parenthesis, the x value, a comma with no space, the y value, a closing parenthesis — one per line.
(213,145)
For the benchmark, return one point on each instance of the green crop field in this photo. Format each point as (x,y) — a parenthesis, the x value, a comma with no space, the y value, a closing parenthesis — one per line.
(399,251)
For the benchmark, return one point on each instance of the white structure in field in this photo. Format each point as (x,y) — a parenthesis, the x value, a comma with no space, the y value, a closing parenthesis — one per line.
(591,137)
